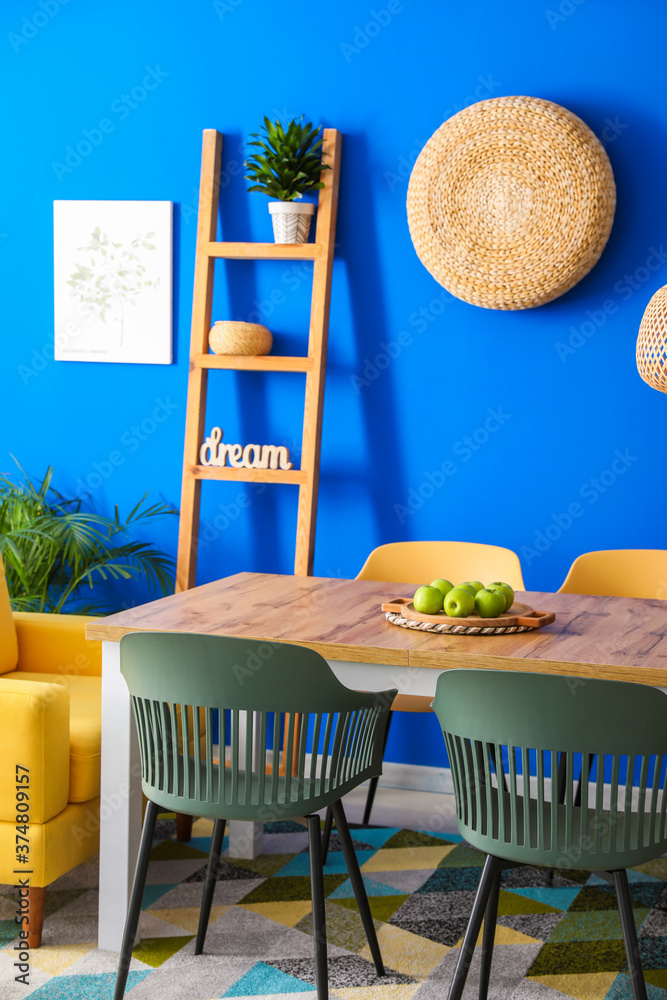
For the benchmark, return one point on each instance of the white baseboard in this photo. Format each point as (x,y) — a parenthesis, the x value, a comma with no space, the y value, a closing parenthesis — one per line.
(416,778)
(411,777)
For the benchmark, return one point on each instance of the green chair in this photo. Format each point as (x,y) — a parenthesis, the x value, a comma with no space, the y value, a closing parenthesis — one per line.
(181,685)
(498,726)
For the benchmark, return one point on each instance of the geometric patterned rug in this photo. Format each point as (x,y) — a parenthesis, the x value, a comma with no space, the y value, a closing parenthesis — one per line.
(556,940)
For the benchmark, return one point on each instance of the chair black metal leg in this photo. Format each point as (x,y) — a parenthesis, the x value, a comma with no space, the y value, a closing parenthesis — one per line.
(585,763)
(490,917)
(490,872)
(132,919)
(357,885)
(326,836)
(560,797)
(629,934)
(499,769)
(209,883)
(370,799)
(372,788)
(562,779)
(317,896)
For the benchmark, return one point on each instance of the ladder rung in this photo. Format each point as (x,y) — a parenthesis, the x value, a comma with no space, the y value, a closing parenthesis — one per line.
(295,476)
(263,251)
(262,363)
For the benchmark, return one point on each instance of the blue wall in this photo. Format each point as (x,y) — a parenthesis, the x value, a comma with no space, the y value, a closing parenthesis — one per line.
(387,82)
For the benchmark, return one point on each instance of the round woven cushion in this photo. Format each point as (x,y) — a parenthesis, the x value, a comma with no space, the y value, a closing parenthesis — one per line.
(235,337)
(511,202)
(652,342)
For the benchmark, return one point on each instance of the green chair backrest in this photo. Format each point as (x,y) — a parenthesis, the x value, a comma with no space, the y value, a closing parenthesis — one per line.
(499,725)
(181,684)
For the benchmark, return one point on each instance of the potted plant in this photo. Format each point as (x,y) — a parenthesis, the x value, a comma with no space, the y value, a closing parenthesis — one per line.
(288,166)
(55,552)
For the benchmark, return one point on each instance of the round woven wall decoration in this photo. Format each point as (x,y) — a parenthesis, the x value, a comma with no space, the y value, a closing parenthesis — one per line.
(511,202)
(652,342)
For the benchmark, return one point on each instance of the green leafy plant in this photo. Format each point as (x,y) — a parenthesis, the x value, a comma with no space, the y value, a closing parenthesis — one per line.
(112,278)
(290,162)
(53,550)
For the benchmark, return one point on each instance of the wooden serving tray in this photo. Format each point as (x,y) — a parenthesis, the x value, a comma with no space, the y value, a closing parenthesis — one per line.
(519,614)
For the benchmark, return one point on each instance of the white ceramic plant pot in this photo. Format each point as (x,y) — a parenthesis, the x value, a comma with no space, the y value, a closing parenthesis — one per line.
(291,220)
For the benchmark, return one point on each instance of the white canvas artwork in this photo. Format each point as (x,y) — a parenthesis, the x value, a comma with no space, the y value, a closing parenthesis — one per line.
(113,281)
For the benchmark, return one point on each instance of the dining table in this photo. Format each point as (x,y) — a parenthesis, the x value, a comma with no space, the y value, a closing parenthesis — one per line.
(591,637)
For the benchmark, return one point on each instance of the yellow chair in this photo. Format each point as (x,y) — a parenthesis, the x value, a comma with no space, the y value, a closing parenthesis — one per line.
(50,733)
(420,562)
(619,573)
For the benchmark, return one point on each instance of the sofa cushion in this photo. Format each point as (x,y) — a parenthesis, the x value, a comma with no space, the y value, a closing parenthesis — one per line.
(9,652)
(85,728)
(34,751)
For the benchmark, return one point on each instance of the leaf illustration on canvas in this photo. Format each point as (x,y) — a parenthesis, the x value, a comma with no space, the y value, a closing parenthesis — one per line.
(112,276)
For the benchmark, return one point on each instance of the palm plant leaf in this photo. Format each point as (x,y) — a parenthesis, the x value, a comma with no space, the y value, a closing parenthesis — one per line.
(53,550)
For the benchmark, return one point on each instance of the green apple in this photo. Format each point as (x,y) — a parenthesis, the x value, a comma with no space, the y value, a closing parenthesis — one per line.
(507,591)
(459,603)
(443,585)
(490,603)
(428,600)
(470,587)
(474,583)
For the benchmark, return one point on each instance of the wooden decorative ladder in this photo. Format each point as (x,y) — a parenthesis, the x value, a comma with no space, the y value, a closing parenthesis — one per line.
(201,361)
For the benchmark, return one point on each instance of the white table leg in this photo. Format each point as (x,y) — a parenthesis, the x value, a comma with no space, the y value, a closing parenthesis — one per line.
(245,838)
(120,808)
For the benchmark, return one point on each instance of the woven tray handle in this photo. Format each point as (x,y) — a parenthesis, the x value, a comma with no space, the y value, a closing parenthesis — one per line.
(396,606)
(537,619)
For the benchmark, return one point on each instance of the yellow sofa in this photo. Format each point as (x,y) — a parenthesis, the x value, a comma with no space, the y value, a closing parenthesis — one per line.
(50,730)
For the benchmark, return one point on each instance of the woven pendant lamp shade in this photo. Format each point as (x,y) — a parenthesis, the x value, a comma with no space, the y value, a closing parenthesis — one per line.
(652,342)
(511,202)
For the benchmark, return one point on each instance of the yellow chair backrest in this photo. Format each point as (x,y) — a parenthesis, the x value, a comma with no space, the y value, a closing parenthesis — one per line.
(619,573)
(421,562)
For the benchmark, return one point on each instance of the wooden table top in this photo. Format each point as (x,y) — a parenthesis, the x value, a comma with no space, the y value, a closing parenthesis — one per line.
(614,637)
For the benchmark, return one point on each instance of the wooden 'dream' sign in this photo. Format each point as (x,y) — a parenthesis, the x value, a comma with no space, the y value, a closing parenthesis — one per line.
(252,456)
